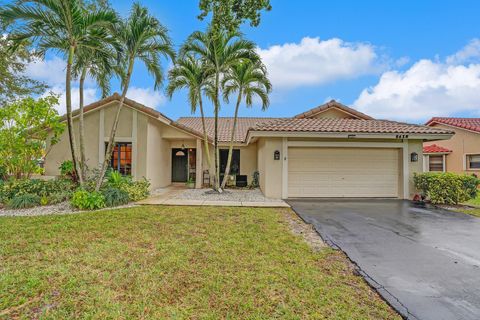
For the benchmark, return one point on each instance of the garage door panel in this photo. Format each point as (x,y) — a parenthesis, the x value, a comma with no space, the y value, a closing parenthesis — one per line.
(343,172)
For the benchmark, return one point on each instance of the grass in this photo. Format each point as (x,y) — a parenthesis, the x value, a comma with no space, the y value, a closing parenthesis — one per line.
(475,201)
(174,263)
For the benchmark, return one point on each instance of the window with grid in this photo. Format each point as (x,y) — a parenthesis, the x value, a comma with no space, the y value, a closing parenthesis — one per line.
(121,160)
(435,163)
(473,161)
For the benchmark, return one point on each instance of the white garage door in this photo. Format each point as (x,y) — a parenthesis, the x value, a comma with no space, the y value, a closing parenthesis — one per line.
(343,172)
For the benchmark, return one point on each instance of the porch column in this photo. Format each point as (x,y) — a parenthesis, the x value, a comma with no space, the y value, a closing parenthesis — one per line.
(199,167)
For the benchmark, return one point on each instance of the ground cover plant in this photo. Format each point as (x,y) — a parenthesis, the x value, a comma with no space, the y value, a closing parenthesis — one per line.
(175,262)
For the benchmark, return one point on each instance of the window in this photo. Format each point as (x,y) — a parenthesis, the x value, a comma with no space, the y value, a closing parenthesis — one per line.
(435,163)
(235,166)
(121,160)
(473,161)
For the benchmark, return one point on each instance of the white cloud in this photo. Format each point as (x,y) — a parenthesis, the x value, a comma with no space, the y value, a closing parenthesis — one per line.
(50,71)
(146,96)
(467,54)
(89,95)
(428,88)
(315,62)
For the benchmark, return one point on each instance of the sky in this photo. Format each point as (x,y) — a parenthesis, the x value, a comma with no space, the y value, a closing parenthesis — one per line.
(404,60)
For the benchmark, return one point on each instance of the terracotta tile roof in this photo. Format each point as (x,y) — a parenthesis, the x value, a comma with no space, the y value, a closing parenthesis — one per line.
(435,149)
(472,124)
(329,105)
(346,125)
(224,126)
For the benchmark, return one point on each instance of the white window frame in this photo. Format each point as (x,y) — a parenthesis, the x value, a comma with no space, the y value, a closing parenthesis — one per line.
(426,162)
(466,165)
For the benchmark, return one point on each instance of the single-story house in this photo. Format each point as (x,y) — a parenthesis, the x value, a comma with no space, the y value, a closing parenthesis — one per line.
(328,151)
(461,153)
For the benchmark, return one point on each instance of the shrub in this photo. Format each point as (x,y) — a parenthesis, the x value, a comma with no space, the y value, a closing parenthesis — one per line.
(446,187)
(59,197)
(137,190)
(115,197)
(85,200)
(42,188)
(115,179)
(66,168)
(24,201)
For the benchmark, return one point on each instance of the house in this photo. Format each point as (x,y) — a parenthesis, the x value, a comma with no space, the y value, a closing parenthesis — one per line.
(328,151)
(461,153)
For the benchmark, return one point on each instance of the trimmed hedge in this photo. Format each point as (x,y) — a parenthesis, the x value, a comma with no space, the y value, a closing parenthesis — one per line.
(446,187)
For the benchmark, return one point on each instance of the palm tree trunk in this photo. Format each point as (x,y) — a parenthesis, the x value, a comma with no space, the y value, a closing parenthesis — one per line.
(232,136)
(83,167)
(215,142)
(205,135)
(111,139)
(68,96)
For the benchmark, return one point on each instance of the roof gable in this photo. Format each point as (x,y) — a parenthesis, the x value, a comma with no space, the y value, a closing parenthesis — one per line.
(137,106)
(333,109)
(470,124)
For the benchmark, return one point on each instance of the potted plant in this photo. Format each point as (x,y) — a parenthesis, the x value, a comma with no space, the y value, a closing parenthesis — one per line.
(190,183)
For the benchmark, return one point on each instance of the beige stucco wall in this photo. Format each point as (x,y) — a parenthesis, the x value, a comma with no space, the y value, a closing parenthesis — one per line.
(271,171)
(61,151)
(151,139)
(462,143)
(248,159)
(414,167)
(333,113)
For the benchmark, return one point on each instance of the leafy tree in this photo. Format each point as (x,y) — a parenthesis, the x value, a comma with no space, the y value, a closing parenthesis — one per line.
(63,26)
(26,127)
(247,80)
(141,37)
(190,73)
(219,51)
(13,63)
(230,14)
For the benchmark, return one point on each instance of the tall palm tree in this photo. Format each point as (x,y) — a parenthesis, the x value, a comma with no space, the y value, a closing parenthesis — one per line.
(98,64)
(190,73)
(142,37)
(62,26)
(248,79)
(218,51)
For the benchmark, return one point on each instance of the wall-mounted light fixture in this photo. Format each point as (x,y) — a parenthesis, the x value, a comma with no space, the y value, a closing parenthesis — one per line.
(413,157)
(276,155)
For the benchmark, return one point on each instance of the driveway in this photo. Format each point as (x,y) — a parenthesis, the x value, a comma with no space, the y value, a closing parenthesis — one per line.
(424,261)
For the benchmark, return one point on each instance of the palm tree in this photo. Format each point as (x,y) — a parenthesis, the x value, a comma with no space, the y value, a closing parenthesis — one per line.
(218,51)
(189,73)
(142,37)
(62,26)
(248,79)
(98,64)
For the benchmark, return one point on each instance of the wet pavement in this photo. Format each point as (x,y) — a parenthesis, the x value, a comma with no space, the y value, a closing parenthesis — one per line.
(424,261)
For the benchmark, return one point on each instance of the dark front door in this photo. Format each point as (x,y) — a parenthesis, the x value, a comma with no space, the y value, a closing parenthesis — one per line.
(179,165)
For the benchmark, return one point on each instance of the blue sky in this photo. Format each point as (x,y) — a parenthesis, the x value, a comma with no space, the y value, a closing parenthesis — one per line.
(403,60)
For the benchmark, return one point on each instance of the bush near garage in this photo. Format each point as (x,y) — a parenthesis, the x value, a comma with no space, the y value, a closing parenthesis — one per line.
(446,187)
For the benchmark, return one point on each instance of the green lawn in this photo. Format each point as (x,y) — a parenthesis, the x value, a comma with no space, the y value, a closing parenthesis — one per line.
(475,201)
(177,263)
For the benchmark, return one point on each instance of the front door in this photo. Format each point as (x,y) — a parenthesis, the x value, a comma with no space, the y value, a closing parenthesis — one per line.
(179,165)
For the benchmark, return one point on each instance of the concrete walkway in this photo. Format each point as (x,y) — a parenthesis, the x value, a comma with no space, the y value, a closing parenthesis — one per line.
(178,195)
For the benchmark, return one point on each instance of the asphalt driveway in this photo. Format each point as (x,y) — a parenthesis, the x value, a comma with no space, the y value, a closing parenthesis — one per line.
(424,261)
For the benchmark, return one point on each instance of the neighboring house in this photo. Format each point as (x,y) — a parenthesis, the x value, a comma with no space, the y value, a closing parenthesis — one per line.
(328,151)
(459,154)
